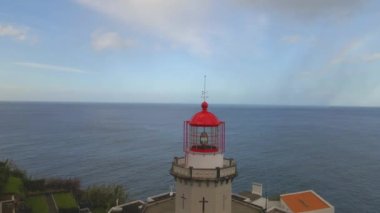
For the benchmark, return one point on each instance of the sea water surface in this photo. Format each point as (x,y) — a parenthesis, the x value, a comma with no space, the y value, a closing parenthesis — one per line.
(332,150)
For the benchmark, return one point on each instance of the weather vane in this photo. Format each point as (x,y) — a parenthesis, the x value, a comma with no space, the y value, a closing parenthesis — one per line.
(204,92)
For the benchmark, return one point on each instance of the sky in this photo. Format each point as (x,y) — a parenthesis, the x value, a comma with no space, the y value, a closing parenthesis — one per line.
(265,52)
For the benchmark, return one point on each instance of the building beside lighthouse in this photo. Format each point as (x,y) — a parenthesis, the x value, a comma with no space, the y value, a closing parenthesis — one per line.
(203,179)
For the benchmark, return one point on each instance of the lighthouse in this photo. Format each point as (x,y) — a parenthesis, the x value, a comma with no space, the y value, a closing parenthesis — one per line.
(203,177)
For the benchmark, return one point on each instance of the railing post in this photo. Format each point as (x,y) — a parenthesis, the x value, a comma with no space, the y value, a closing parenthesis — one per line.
(217,172)
(230,161)
(191,172)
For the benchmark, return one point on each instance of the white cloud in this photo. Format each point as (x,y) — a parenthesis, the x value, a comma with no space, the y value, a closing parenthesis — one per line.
(356,52)
(180,23)
(15,32)
(110,40)
(304,10)
(50,67)
(347,53)
(372,57)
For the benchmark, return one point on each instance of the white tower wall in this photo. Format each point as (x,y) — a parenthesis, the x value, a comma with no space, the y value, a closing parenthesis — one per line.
(204,161)
(189,195)
(194,183)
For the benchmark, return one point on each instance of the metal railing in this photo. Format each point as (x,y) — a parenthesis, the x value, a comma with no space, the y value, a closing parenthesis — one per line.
(180,170)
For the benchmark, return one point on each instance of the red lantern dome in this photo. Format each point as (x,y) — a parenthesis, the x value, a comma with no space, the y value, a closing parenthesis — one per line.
(204,118)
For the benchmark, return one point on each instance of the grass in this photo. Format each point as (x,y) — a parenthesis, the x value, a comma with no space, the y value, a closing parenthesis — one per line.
(98,210)
(13,185)
(65,200)
(38,204)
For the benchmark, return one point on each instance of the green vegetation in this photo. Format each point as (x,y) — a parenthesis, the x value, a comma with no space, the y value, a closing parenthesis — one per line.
(13,185)
(11,178)
(98,210)
(4,174)
(32,193)
(105,196)
(38,204)
(65,200)
(53,185)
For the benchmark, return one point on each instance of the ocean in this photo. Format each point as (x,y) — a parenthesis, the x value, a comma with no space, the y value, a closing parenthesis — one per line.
(333,150)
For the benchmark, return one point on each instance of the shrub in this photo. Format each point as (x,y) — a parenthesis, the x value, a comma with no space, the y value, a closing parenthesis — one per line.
(4,173)
(35,185)
(14,185)
(9,169)
(105,196)
(17,172)
(71,184)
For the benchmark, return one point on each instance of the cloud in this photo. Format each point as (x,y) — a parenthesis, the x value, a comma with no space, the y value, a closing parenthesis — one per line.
(50,67)
(372,57)
(198,25)
(179,23)
(307,9)
(347,53)
(15,32)
(110,40)
(356,52)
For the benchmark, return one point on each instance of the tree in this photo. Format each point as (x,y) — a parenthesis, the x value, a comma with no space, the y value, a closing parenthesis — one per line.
(35,185)
(16,172)
(105,196)
(4,173)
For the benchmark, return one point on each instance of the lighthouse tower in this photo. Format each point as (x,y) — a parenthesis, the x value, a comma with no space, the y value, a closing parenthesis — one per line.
(203,176)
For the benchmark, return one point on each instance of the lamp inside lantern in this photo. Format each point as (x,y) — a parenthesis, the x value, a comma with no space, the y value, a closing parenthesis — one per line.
(204,138)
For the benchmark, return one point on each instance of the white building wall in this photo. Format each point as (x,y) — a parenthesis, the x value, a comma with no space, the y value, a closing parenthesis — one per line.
(217,195)
(257,189)
(327,210)
(204,161)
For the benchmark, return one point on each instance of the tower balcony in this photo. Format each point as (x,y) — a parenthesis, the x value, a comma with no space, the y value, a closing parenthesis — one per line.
(225,173)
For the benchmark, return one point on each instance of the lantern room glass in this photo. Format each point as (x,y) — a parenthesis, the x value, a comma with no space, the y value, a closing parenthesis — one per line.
(206,139)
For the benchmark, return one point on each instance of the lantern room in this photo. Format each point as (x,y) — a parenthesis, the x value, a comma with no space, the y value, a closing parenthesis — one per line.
(204,133)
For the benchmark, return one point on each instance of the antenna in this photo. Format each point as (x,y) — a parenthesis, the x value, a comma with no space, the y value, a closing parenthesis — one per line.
(204,92)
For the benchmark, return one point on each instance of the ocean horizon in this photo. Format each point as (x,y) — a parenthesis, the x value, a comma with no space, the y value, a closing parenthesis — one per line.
(333,150)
